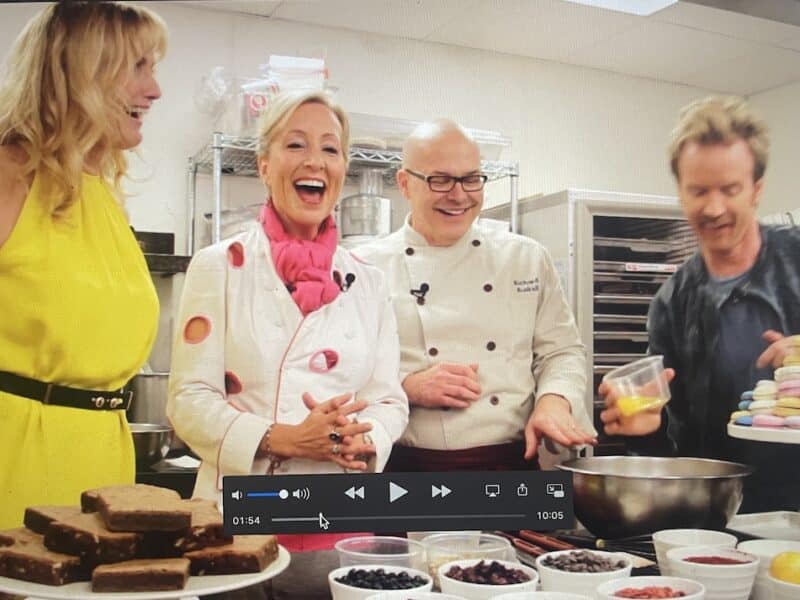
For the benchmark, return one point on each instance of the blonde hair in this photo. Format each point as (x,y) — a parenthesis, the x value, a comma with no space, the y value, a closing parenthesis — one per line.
(59,100)
(720,120)
(281,110)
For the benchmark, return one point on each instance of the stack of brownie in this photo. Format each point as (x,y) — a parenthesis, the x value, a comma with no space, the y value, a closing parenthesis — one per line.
(129,538)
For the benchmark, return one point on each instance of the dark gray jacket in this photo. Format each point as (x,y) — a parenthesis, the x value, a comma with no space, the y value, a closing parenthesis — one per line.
(683,325)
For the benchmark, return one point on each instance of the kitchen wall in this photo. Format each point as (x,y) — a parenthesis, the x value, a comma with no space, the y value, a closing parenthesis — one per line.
(570,126)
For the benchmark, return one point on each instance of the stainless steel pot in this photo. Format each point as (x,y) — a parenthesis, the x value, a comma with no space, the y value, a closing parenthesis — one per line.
(151,442)
(623,496)
(149,398)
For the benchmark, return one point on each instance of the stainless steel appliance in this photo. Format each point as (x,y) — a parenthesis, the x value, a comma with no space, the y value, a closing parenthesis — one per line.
(613,251)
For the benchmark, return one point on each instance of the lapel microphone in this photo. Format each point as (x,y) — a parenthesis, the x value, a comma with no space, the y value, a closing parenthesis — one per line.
(419,294)
(349,279)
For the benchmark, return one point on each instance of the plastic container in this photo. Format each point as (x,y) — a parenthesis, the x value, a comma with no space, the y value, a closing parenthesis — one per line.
(692,590)
(667,539)
(457,545)
(639,385)
(723,582)
(478,591)
(381,550)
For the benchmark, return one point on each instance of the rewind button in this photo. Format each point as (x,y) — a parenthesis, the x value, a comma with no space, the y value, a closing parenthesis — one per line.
(354,492)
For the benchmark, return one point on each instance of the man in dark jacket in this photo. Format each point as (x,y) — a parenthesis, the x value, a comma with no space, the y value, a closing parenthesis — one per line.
(731,314)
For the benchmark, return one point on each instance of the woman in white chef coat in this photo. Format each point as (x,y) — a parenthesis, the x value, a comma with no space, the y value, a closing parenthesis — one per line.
(287,357)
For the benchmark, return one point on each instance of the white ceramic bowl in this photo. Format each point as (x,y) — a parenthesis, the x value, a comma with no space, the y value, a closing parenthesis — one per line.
(765,550)
(415,596)
(782,590)
(541,596)
(381,550)
(478,591)
(723,582)
(556,580)
(341,591)
(694,590)
(667,539)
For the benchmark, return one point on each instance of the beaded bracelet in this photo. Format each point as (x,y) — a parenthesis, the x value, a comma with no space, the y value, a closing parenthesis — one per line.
(274,460)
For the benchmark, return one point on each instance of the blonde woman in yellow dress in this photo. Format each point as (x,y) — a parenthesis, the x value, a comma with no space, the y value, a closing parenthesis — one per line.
(79,309)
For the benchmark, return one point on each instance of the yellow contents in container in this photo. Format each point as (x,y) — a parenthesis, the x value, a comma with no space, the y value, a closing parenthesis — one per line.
(630,405)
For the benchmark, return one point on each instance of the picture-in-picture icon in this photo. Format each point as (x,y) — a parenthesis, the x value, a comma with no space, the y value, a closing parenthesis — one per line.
(556,490)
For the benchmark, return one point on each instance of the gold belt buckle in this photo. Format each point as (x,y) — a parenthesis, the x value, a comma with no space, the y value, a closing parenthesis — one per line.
(46,399)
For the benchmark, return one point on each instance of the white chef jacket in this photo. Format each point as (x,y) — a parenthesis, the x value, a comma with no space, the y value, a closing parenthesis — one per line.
(493,298)
(261,354)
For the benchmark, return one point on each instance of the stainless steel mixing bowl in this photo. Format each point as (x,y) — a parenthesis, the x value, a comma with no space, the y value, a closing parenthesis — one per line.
(621,496)
(151,442)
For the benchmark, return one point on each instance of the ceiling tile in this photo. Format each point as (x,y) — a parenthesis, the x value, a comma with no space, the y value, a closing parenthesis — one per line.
(660,51)
(548,29)
(725,22)
(754,72)
(401,18)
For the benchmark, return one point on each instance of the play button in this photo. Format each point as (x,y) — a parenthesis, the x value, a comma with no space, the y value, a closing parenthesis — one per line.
(395,491)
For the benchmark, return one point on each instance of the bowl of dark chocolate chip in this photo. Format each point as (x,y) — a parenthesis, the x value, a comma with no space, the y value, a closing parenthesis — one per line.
(483,579)
(581,571)
(362,581)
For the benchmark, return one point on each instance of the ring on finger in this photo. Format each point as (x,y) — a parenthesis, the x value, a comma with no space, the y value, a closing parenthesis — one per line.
(335,436)
(336,450)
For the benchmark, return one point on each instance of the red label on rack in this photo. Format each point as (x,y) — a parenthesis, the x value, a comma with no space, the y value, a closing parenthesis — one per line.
(650,268)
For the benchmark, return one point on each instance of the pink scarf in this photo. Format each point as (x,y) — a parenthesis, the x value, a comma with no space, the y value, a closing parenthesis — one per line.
(304,266)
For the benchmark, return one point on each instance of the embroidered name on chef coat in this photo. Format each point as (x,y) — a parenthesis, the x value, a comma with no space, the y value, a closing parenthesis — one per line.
(527,285)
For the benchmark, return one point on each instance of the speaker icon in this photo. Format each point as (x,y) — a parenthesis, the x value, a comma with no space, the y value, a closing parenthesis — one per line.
(301,493)
(237,495)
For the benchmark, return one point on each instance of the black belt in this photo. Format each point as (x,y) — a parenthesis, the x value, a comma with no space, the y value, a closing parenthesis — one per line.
(61,395)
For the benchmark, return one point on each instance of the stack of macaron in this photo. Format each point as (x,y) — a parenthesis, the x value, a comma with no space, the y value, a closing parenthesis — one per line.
(773,403)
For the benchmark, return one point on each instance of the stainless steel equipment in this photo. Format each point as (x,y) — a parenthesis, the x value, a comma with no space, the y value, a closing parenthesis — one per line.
(149,398)
(613,251)
(622,496)
(368,213)
(151,442)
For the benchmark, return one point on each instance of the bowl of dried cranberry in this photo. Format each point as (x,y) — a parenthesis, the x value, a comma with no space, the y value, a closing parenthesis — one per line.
(363,581)
(651,587)
(581,571)
(728,574)
(484,579)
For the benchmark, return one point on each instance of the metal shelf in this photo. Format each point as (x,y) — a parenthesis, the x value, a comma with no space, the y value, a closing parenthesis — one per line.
(239,158)
(236,155)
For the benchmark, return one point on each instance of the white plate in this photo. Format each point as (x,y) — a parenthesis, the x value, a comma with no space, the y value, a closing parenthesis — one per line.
(783,435)
(197,585)
(776,525)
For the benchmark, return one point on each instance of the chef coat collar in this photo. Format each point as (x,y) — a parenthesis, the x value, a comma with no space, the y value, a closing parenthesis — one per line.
(415,239)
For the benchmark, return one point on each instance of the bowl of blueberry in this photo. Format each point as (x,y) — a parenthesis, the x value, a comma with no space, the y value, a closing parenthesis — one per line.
(361,582)
(483,579)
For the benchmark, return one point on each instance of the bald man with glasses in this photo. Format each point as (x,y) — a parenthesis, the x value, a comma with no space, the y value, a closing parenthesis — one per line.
(491,360)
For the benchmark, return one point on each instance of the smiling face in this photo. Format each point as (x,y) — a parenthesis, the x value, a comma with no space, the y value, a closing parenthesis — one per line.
(719,197)
(137,92)
(442,218)
(304,169)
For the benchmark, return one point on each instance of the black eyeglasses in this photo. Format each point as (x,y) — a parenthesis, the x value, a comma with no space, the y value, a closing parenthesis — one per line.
(444,183)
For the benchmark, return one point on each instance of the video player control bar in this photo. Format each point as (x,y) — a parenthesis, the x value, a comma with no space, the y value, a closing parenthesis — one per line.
(388,502)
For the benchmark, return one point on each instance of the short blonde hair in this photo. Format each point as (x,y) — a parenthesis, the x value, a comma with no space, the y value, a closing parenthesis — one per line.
(59,99)
(720,120)
(281,110)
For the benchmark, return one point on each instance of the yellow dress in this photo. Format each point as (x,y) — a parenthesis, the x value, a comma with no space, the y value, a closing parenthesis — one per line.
(77,308)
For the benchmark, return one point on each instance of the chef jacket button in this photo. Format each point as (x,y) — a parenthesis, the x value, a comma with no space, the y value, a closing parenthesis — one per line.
(445,408)
(487,287)
(476,243)
(409,251)
(491,346)
(433,351)
(494,400)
